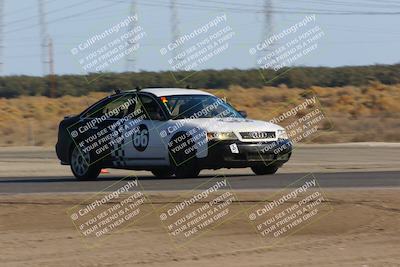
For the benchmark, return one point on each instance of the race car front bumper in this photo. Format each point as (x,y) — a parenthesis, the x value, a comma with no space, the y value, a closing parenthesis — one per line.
(236,154)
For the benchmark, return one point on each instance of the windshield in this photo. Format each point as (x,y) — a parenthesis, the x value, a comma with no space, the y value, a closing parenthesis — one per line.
(198,106)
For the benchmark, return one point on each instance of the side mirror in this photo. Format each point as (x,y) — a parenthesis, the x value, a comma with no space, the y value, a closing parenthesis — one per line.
(243,113)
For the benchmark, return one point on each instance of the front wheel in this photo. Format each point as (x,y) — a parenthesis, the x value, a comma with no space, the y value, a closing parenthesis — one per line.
(185,167)
(187,171)
(263,170)
(163,172)
(81,168)
(183,156)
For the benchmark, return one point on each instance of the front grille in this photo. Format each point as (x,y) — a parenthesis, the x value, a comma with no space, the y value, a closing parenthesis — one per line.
(249,156)
(254,156)
(257,135)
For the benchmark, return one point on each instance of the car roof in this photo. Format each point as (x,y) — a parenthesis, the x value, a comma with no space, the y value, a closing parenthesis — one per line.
(173,91)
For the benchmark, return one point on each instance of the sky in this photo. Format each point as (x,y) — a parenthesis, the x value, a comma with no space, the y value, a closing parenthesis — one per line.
(366,32)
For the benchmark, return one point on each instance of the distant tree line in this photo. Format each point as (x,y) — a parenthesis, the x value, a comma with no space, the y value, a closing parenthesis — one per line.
(302,77)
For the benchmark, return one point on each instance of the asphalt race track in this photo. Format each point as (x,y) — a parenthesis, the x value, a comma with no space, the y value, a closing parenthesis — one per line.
(365,165)
(237,182)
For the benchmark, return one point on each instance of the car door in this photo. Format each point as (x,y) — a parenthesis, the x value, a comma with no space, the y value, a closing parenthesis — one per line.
(144,143)
(97,128)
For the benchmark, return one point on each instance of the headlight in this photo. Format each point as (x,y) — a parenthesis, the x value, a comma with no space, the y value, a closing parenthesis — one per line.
(221,136)
(281,134)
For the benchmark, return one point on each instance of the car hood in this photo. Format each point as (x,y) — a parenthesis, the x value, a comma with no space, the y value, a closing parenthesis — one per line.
(234,125)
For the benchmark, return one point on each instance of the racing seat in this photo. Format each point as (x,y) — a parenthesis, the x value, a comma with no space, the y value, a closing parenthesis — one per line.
(153,110)
(189,107)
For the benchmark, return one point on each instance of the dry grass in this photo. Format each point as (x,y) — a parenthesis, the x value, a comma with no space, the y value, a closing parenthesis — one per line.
(368,113)
(34,120)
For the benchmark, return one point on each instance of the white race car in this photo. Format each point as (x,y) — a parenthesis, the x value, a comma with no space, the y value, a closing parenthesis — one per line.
(168,131)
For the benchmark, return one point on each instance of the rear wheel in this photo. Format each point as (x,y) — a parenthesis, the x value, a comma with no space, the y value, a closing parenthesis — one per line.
(262,169)
(81,168)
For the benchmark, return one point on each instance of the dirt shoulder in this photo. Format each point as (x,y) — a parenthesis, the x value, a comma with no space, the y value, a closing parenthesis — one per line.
(361,229)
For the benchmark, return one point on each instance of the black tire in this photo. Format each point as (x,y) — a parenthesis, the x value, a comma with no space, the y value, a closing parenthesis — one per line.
(263,170)
(187,171)
(184,165)
(81,168)
(163,173)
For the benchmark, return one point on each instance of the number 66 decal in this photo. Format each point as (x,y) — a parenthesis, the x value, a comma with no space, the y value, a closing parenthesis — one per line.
(140,138)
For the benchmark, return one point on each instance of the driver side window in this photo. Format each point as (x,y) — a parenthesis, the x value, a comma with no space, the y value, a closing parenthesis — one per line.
(150,108)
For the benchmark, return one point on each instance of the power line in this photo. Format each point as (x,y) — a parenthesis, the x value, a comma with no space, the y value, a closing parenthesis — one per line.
(268,29)
(64,18)
(43,36)
(131,57)
(175,5)
(275,10)
(30,7)
(1,34)
(52,76)
(62,9)
(175,32)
